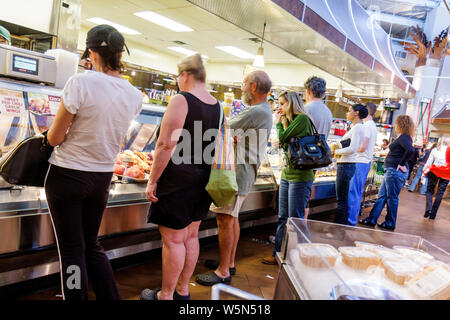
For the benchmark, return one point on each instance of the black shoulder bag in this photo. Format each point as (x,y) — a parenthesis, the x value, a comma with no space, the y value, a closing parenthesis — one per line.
(309,152)
(27,163)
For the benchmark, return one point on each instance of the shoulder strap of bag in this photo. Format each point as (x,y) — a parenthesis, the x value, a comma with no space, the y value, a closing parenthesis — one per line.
(221,115)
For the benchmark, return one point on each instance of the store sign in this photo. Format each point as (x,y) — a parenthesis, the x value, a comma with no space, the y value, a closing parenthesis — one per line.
(43,104)
(348,101)
(12,103)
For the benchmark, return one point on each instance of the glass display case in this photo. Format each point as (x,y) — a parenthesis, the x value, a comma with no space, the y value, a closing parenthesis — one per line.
(323,261)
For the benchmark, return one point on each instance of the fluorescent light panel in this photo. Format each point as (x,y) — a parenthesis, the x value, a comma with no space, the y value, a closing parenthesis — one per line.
(185,51)
(236,52)
(119,27)
(163,21)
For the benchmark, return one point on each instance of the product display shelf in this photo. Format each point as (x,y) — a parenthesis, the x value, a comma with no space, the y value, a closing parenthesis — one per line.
(302,280)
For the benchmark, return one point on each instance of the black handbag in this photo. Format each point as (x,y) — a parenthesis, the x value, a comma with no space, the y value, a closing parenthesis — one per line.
(27,163)
(309,152)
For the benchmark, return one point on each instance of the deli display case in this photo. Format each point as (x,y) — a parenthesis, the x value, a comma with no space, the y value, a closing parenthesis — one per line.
(28,247)
(323,261)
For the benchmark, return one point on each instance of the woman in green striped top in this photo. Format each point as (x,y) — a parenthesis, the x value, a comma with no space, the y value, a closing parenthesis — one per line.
(295,185)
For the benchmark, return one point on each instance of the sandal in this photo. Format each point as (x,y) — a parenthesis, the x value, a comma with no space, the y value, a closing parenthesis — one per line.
(385,226)
(366,222)
(214,264)
(177,296)
(148,294)
(211,278)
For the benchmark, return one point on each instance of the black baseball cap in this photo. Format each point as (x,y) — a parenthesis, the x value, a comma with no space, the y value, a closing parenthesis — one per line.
(104,35)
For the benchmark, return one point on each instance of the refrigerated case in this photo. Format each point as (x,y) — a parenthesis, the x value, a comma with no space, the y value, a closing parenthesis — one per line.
(28,248)
(316,265)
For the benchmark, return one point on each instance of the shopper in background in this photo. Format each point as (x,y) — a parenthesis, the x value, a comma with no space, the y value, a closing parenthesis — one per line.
(251,128)
(396,166)
(363,163)
(419,173)
(385,144)
(273,104)
(5,36)
(418,152)
(437,174)
(346,160)
(295,185)
(317,110)
(145,98)
(95,112)
(177,191)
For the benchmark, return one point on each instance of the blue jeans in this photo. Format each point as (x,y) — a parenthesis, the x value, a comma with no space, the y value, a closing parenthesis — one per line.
(423,188)
(292,200)
(356,191)
(344,174)
(416,179)
(388,195)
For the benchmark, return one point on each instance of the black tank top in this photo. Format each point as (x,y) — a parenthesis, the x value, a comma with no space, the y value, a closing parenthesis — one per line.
(200,118)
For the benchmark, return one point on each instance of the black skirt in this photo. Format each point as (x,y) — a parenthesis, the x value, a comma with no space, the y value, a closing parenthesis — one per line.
(182,198)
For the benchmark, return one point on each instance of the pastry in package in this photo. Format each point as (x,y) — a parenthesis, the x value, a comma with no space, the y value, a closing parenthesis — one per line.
(432,283)
(358,257)
(400,269)
(420,257)
(311,254)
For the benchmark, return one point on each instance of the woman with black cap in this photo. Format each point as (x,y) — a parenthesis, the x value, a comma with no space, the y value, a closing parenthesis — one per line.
(92,120)
(347,154)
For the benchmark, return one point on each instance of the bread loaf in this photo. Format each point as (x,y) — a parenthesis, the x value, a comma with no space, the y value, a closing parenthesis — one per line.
(420,257)
(400,269)
(358,257)
(432,283)
(311,254)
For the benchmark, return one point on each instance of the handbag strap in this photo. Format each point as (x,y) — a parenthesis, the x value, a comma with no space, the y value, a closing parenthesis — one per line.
(221,115)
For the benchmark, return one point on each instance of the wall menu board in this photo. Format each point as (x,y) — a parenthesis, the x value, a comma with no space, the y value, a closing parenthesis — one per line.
(12,103)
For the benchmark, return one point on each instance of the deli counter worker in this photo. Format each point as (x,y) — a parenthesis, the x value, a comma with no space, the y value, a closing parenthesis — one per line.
(5,36)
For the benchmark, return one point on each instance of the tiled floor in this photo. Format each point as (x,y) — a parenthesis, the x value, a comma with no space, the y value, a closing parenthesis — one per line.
(254,277)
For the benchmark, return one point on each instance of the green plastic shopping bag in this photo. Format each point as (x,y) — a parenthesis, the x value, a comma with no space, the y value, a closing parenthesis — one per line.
(222,185)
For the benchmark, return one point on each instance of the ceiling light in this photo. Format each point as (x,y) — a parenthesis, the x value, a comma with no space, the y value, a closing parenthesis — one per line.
(186,51)
(259,59)
(119,27)
(158,84)
(163,21)
(169,80)
(236,52)
(312,51)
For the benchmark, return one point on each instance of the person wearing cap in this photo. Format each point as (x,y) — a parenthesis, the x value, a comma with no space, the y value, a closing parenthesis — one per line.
(95,112)
(5,36)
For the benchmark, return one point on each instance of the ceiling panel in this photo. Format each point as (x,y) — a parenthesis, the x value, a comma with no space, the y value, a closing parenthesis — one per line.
(210,31)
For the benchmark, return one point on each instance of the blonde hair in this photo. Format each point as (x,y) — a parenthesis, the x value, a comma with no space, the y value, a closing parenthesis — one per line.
(443,142)
(193,65)
(404,124)
(295,106)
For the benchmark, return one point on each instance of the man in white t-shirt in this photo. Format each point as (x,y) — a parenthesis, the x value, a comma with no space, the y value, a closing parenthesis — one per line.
(364,160)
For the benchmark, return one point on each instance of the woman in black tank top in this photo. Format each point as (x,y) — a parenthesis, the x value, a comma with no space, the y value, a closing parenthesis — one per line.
(177,182)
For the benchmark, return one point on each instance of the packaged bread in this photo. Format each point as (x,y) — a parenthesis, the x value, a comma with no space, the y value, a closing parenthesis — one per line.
(386,253)
(311,254)
(368,245)
(358,257)
(420,257)
(400,269)
(432,283)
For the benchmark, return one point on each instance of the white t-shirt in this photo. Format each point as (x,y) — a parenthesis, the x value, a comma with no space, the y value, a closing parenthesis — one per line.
(370,131)
(437,157)
(350,153)
(104,107)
